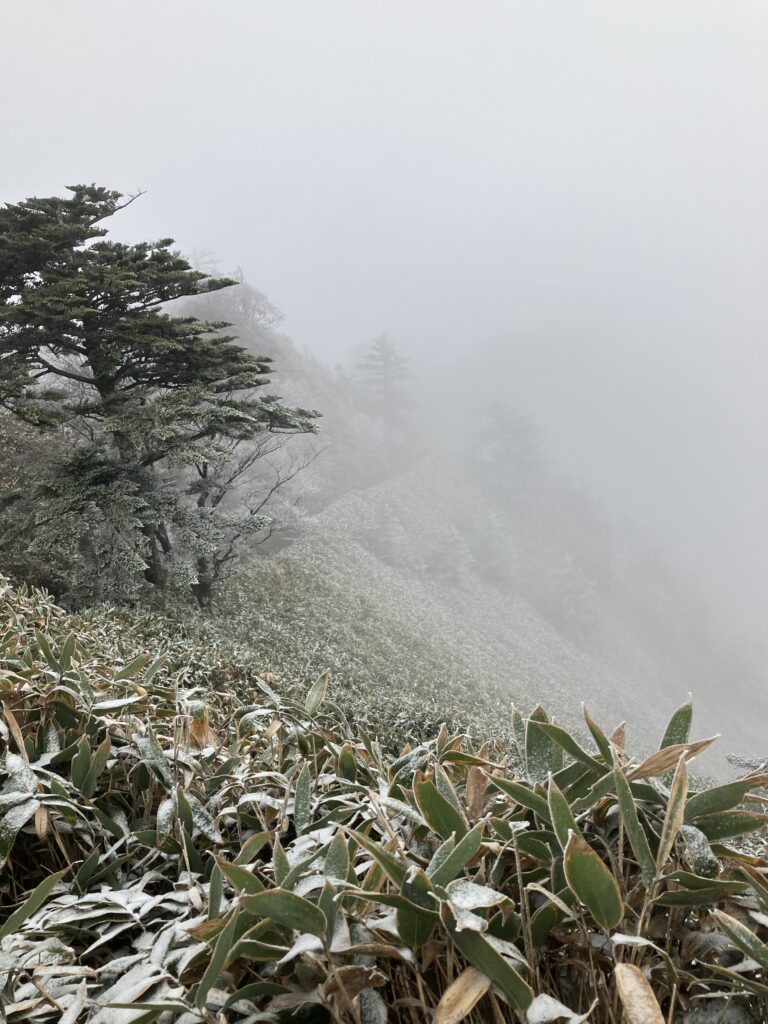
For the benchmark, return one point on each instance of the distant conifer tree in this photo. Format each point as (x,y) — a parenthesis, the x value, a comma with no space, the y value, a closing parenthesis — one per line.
(384,372)
(151,403)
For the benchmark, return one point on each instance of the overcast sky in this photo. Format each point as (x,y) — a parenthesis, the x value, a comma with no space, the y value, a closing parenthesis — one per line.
(575,193)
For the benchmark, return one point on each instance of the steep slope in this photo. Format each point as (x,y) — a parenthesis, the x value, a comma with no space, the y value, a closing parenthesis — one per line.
(417,633)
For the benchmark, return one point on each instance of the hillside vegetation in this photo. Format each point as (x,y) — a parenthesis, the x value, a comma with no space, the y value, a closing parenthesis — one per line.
(267,765)
(183,840)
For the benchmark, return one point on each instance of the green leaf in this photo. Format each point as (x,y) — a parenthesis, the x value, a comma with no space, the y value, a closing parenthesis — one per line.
(347,763)
(524,795)
(184,811)
(563,821)
(81,763)
(257,943)
(592,883)
(441,816)
(678,731)
(731,823)
(224,944)
(193,856)
(518,730)
(446,790)
(456,857)
(638,840)
(538,748)
(241,879)
(679,728)
(153,754)
(744,938)
(316,694)
(67,650)
(534,846)
(564,740)
(36,898)
(302,813)
(393,867)
(690,898)
(416,920)
(280,862)
(287,909)
(251,847)
(87,868)
(602,741)
(154,668)
(96,767)
(255,990)
(45,647)
(720,798)
(337,858)
(215,893)
(482,954)
(132,668)
(691,881)
(543,921)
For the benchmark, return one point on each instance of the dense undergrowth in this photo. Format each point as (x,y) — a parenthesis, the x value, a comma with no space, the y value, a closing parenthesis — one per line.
(184,840)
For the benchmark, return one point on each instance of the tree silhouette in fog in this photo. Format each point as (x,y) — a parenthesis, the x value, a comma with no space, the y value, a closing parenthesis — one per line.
(384,372)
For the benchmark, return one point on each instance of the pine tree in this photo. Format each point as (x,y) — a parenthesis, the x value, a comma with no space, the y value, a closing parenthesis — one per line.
(151,403)
(384,371)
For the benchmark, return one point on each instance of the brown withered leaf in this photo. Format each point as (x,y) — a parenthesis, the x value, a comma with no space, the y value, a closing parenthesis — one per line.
(477,784)
(640,1004)
(461,996)
(666,759)
(347,982)
(619,735)
(200,731)
(42,822)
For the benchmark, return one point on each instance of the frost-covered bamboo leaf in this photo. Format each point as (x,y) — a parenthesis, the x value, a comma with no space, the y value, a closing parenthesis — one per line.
(561,815)
(316,694)
(538,748)
(638,840)
(287,909)
(224,943)
(152,752)
(302,813)
(417,916)
(35,899)
(12,822)
(593,883)
(673,819)
(455,857)
(440,814)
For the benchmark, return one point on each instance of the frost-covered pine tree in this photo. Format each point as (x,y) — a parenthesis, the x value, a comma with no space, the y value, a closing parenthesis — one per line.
(152,405)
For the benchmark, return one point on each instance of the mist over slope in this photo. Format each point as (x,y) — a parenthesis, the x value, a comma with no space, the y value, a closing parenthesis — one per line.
(431,638)
(437,561)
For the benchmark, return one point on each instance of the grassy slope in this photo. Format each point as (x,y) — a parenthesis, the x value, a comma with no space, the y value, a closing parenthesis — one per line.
(181,844)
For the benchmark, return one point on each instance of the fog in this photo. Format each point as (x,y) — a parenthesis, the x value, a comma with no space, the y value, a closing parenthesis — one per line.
(562,205)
